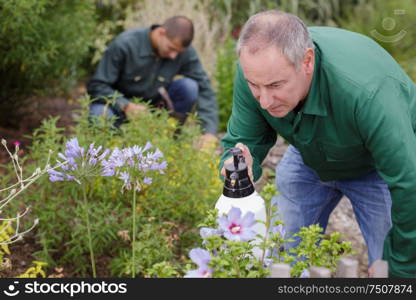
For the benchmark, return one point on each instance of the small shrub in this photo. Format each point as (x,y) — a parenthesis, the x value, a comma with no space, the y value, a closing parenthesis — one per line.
(224,78)
(43,43)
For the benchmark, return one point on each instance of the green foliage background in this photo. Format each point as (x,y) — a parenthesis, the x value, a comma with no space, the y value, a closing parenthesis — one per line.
(42,44)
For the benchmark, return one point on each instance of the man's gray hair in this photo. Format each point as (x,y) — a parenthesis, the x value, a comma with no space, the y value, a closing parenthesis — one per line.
(275,28)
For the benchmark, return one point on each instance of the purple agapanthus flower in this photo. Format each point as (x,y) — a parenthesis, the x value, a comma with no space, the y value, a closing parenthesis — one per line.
(76,164)
(201,258)
(147,180)
(59,176)
(237,228)
(126,178)
(132,163)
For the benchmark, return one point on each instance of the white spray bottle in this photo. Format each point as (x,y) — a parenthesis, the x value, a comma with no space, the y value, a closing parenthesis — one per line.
(239,192)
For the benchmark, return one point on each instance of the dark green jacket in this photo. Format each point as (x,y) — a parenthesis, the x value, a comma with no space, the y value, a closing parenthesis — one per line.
(359,115)
(130,67)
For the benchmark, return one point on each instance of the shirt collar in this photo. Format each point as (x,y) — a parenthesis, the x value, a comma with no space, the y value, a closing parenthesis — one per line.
(314,103)
(146,48)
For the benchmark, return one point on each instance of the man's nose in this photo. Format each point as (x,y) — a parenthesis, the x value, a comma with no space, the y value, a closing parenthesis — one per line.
(265,99)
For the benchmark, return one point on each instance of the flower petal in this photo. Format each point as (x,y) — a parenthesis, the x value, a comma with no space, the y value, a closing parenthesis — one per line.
(199,273)
(207,232)
(147,180)
(200,257)
(248,220)
(247,234)
(223,223)
(232,237)
(234,215)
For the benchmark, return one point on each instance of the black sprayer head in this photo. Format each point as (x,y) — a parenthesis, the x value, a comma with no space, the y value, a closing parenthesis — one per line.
(237,183)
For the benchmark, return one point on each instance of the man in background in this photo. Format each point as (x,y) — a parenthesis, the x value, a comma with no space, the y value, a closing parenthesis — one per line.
(139,62)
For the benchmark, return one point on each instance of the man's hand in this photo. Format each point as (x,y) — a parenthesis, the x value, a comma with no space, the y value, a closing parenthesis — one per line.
(248,158)
(134,109)
(379,268)
(371,271)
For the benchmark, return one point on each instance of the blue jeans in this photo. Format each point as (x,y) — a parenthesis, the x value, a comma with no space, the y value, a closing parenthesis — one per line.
(304,200)
(183,93)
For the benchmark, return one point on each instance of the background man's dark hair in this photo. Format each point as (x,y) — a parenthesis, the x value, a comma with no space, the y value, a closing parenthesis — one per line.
(180,27)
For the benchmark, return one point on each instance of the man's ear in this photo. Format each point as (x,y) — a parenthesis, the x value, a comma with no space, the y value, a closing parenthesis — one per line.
(162,31)
(309,61)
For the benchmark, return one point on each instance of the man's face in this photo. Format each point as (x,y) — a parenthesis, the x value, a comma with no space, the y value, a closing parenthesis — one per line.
(168,48)
(274,81)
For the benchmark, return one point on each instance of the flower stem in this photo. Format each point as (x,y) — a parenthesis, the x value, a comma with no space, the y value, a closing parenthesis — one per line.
(133,249)
(235,259)
(87,219)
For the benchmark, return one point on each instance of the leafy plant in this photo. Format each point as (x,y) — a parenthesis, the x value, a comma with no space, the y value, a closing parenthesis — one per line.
(162,270)
(224,78)
(5,235)
(315,250)
(151,247)
(43,43)
(319,12)
(35,271)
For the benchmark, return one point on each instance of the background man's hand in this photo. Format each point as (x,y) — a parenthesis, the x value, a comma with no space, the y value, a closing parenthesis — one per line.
(248,158)
(134,109)
(207,141)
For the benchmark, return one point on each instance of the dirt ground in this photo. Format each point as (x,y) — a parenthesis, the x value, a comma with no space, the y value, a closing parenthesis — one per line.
(32,114)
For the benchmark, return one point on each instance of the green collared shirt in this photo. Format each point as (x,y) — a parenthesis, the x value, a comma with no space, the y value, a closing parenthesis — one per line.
(130,68)
(359,115)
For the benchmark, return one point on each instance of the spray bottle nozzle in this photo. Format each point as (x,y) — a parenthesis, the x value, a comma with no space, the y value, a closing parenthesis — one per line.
(237,155)
(236,151)
(237,182)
